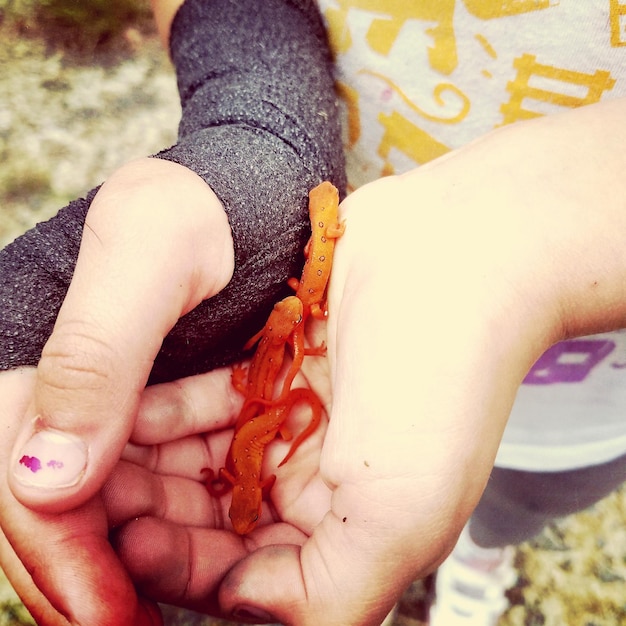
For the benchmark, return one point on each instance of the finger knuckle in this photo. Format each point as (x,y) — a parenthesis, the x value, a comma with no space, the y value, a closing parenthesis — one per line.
(75,357)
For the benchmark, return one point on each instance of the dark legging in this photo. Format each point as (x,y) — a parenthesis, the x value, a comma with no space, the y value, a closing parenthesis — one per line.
(517,505)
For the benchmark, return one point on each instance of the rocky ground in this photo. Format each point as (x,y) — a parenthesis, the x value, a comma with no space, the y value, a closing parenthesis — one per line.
(68,119)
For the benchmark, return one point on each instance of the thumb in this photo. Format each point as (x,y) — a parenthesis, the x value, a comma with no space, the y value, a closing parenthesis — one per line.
(156,243)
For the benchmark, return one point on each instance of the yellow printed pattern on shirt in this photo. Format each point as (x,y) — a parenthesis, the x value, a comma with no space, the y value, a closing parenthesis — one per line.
(418,78)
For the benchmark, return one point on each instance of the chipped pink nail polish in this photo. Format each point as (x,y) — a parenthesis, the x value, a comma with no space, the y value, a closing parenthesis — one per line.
(51,459)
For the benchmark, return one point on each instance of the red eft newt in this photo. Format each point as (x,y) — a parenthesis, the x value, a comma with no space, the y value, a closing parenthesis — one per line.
(256,427)
(310,290)
(245,457)
(319,252)
(286,316)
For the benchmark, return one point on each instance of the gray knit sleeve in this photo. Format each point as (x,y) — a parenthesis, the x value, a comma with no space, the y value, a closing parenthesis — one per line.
(260,126)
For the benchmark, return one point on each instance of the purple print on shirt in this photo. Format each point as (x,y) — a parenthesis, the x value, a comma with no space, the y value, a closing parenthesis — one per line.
(568,361)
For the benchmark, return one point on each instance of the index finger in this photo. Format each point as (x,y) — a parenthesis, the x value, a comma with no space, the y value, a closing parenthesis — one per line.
(187,406)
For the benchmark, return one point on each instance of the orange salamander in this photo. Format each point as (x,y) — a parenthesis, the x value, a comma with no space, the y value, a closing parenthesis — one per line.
(265,410)
(245,457)
(268,359)
(319,252)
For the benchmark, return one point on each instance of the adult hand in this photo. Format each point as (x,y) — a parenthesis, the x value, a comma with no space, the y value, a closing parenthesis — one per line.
(156,243)
(437,311)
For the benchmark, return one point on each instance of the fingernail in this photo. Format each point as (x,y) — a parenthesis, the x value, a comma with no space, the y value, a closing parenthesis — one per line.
(252,613)
(51,459)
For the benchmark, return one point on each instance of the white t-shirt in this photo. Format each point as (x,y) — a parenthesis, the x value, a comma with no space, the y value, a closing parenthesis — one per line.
(420,77)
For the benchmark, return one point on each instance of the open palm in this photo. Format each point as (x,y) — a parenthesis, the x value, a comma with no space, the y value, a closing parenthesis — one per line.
(182,429)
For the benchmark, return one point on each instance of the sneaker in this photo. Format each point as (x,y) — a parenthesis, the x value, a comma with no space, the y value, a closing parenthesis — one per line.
(471,583)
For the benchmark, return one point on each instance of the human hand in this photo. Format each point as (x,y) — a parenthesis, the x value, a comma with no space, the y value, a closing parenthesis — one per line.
(436,314)
(382,500)
(141,267)
(355,515)
(172,535)
(481,325)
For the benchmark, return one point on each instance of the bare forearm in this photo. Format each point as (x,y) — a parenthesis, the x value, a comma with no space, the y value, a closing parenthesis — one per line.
(542,205)
(582,155)
(164,12)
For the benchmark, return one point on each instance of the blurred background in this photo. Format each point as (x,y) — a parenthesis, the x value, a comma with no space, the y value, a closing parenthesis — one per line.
(85,86)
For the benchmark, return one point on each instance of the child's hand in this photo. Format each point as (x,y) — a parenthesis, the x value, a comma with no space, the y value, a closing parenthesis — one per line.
(172,535)
(156,243)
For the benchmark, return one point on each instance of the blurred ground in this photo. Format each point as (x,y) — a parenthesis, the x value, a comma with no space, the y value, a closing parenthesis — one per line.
(69,118)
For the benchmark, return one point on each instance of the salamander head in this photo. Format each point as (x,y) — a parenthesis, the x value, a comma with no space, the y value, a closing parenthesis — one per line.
(286,316)
(245,508)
